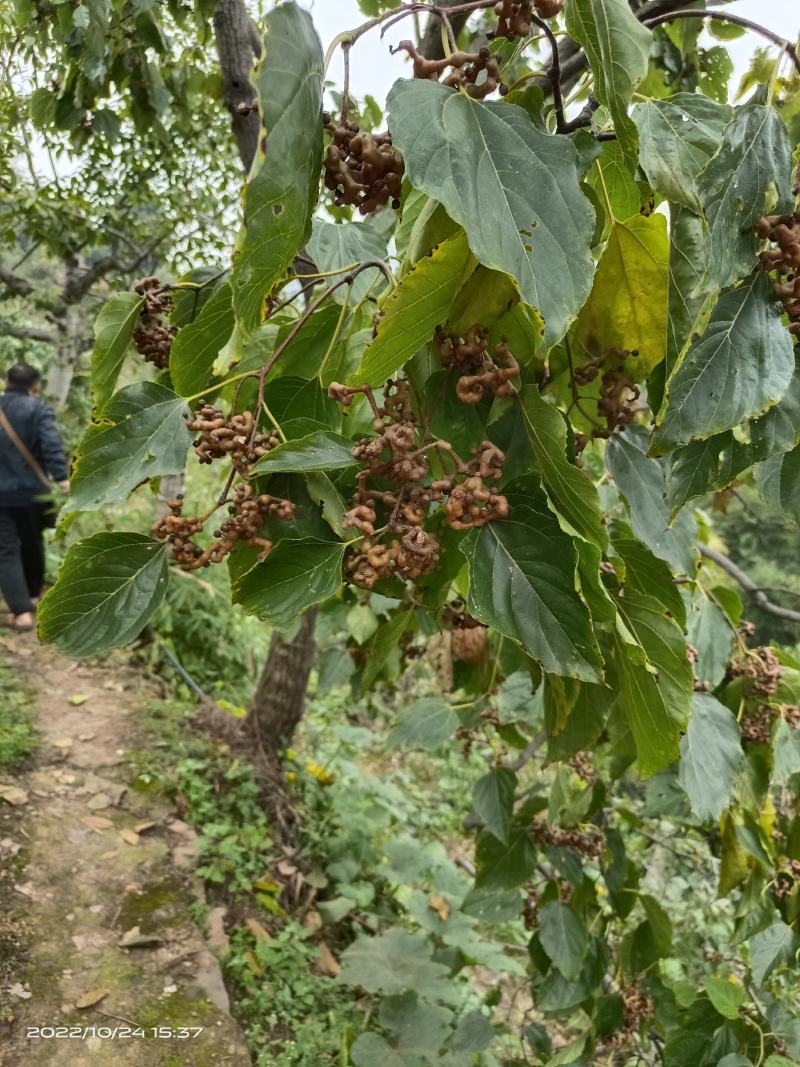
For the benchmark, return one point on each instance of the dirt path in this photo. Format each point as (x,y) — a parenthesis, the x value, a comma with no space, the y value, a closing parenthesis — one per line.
(91,865)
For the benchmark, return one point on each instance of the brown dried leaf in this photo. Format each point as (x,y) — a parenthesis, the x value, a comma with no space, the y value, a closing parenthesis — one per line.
(257,930)
(130,837)
(97,822)
(94,996)
(326,962)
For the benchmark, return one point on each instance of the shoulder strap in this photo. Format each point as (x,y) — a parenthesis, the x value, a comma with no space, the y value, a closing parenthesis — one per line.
(23,449)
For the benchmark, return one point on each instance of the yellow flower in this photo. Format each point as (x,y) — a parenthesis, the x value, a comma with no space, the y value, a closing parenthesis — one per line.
(322,776)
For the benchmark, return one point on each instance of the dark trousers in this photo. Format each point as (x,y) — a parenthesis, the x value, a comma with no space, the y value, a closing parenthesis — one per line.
(21,556)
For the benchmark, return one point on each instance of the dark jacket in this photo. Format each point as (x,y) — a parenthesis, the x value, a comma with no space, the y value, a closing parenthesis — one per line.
(36,426)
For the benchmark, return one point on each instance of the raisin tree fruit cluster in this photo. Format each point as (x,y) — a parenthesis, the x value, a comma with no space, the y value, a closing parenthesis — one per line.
(783,261)
(586,842)
(153,336)
(247,513)
(235,436)
(479,374)
(469,638)
(395,500)
(514,17)
(477,73)
(364,170)
(618,399)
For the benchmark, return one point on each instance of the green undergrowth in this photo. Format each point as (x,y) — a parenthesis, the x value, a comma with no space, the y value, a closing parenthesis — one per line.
(18,736)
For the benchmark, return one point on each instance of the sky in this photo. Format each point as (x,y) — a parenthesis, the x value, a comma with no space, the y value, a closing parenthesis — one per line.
(374,70)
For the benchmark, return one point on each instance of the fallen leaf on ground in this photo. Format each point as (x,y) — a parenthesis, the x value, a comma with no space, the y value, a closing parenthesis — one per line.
(63,742)
(98,801)
(94,996)
(257,930)
(326,962)
(12,794)
(134,938)
(129,836)
(78,699)
(143,827)
(18,990)
(97,822)
(86,737)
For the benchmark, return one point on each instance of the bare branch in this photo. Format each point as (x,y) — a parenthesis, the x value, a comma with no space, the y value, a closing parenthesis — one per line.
(27,333)
(758,595)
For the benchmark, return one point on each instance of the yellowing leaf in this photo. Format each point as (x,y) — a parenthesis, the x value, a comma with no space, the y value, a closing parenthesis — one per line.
(411,312)
(440,906)
(734,862)
(78,699)
(323,777)
(627,308)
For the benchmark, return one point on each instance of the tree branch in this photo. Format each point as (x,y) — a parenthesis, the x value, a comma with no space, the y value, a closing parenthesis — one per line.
(758,595)
(15,283)
(27,333)
(431,44)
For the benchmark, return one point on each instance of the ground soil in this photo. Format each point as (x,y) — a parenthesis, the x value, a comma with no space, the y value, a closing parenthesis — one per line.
(87,864)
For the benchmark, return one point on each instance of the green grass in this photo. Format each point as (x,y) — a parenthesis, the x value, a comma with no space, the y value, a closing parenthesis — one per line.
(18,736)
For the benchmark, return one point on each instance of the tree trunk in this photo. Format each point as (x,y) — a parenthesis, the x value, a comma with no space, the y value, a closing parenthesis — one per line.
(68,351)
(279,700)
(238,46)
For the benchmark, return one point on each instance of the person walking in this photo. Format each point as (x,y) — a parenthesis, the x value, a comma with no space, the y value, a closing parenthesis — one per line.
(30,450)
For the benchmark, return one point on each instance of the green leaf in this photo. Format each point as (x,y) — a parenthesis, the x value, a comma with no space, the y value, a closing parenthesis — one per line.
(777,944)
(147,437)
(785,752)
(707,466)
(656,720)
(617,46)
(504,865)
(428,723)
(108,587)
(711,755)
(419,1029)
(563,938)
(741,366)
(393,962)
(687,250)
(660,925)
(473,1034)
(387,637)
(319,451)
(750,174)
(645,572)
(493,800)
(514,189)
(677,137)
(295,575)
(627,308)
(369,1049)
(113,330)
(333,246)
(640,479)
(726,996)
(712,636)
(570,491)
(410,313)
(779,482)
(362,622)
(198,344)
(283,189)
(522,583)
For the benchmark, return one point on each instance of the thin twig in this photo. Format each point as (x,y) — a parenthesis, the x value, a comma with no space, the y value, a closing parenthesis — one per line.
(736,20)
(759,596)
(554,74)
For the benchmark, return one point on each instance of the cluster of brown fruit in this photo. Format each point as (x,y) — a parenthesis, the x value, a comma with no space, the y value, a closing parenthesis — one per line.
(153,336)
(247,513)
(398,542)
(235,436)
(478,73)
(479,374)
(364,170)
(783,261)
(761,670)
(787,878)
(618,398)
(468,637)
(514,17)
(587,842)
